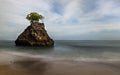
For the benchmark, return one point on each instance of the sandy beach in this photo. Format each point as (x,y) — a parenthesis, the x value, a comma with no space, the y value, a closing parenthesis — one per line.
(24,65)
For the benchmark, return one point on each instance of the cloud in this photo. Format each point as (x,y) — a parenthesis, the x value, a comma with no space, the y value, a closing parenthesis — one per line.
(63,19)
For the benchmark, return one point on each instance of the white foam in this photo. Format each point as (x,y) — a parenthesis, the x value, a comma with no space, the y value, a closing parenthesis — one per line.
(95,59)
(9,56)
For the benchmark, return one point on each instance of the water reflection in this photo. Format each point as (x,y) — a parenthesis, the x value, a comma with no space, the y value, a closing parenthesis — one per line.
(30,66)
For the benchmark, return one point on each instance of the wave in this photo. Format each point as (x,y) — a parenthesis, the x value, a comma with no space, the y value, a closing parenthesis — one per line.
(11,56)
(89,43)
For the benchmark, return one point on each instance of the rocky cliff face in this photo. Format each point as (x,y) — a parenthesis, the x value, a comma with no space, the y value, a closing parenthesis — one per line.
(34,35)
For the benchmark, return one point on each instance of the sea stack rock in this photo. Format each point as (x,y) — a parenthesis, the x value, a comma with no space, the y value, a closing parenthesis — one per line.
(34,35)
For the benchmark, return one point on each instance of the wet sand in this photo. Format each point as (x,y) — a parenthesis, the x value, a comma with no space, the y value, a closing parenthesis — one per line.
(22,65)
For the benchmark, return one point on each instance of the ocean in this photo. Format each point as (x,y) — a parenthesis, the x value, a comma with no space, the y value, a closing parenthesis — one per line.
(88,50)
(67,57)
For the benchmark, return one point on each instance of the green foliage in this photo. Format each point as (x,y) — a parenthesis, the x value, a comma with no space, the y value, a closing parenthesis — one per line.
(34,17)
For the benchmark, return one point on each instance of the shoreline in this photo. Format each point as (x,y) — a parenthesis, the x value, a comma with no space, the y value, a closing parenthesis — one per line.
(11,64)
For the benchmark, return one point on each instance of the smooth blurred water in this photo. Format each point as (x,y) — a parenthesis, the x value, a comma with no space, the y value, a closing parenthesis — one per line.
(99,49)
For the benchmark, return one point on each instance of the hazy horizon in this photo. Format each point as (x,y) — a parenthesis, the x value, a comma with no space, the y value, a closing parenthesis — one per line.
(64,19)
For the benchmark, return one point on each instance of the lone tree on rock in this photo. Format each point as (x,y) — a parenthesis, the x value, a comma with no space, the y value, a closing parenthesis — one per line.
(34,17)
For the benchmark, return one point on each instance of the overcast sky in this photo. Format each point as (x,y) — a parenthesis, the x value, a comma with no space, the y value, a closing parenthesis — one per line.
(64,19)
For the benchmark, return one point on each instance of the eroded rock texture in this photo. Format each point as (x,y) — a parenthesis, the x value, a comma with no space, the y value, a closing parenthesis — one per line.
(34,35)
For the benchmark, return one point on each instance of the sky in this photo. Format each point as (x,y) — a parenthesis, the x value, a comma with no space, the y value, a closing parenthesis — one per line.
(64,19)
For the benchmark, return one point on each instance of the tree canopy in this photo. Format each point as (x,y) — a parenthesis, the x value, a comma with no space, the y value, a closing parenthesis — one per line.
(34,17)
